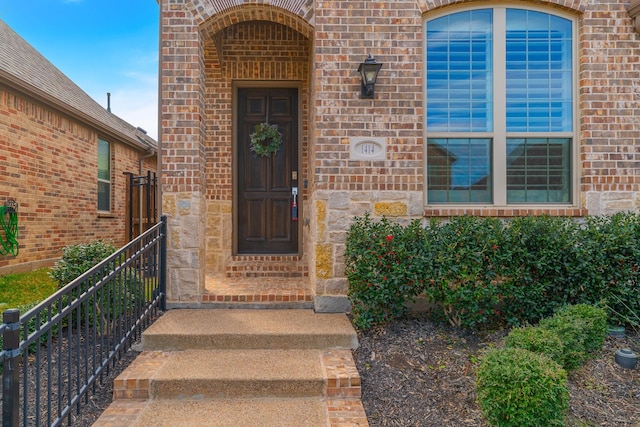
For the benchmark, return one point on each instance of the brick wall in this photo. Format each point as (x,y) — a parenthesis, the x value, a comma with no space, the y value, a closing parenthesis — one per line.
(346,32)
(609,108)
(183,150)
(239,43)
(48,164)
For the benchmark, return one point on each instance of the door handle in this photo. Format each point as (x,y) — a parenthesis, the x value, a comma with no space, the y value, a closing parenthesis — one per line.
(294,204)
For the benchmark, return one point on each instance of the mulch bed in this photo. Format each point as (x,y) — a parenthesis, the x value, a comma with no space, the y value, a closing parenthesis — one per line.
(418,373)
(102,398)
(63,373)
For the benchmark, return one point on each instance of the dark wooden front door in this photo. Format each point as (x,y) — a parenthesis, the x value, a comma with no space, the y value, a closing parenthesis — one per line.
(265,184)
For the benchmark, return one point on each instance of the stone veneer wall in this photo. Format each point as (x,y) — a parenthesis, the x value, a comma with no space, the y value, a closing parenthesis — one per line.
(342,34)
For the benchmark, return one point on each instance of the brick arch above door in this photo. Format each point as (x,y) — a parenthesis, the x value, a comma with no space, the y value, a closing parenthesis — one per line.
(215,15)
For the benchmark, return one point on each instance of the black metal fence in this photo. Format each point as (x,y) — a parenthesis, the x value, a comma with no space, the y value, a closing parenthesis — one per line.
(54,355)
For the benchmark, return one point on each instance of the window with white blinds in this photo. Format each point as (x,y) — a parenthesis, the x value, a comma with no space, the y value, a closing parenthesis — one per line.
(499,107)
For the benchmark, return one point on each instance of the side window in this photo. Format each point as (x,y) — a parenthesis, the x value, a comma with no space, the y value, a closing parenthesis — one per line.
(499,107)
(104,176)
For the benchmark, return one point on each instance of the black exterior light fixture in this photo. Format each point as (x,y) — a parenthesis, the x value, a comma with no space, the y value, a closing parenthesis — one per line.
(369,73)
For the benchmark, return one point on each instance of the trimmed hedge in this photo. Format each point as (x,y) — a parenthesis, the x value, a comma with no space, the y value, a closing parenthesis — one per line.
(519,388)
(525,384)
(537,340)
(484,272)
(582,330)
(569,337)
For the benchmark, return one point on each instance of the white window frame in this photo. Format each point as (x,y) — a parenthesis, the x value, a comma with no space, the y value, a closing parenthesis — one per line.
(499,135)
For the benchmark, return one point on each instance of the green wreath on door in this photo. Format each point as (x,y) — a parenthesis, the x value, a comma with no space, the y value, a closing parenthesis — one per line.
(265,140)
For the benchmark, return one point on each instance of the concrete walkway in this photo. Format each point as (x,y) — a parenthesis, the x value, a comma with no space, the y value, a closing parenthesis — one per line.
(241,368)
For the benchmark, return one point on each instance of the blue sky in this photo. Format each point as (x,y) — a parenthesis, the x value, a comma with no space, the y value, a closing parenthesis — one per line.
(102,45)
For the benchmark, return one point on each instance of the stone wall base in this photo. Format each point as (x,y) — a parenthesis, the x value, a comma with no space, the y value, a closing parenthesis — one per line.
(332,304)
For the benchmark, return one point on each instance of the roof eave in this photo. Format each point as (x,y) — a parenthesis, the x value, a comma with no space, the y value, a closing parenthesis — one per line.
(11,82)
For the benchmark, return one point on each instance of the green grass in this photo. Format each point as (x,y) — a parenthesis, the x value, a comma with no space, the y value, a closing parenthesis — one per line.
(25,288)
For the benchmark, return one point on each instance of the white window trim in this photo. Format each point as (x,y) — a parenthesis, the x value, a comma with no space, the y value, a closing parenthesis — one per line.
(499,135)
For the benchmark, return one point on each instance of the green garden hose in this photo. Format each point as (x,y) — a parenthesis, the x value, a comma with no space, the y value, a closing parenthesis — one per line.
(9,224)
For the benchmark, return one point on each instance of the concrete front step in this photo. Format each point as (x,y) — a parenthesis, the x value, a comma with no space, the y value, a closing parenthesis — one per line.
(240,373)
(241,368)
(183,329)
(264,412)
(201,374)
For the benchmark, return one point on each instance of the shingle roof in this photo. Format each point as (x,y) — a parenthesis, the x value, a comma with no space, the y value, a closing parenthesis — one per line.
(24,68)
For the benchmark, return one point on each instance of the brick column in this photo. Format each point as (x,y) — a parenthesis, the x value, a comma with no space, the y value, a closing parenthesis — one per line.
(345,185)
(183,155)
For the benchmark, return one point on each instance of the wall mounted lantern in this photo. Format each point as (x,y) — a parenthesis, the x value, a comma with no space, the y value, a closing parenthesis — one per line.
(369,73)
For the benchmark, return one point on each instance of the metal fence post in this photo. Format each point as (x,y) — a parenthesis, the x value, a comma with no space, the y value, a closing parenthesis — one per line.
(10,371)
(163,263)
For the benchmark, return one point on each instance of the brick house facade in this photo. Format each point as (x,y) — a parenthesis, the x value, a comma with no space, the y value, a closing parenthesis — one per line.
(49,137)
(220,60)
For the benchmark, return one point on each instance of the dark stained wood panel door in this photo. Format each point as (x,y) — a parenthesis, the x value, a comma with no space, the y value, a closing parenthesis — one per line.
(265,183)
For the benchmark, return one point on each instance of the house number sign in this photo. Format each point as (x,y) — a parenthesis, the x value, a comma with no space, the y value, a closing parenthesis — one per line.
(367,148)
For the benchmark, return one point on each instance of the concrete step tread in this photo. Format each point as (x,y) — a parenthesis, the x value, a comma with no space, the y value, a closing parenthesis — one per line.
(264,412)
(267,329)
(240,373)
(225,373)
(237,412)
(242,364)
(218,412)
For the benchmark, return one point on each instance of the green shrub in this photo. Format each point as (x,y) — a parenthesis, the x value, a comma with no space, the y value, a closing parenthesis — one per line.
(520,388)
(593,321)
(116,298)
(572,335)
(537,340)
(384,263)
(542,259)
(610,263)
(482,272)
(568,337)
(77,259)
(469,256)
